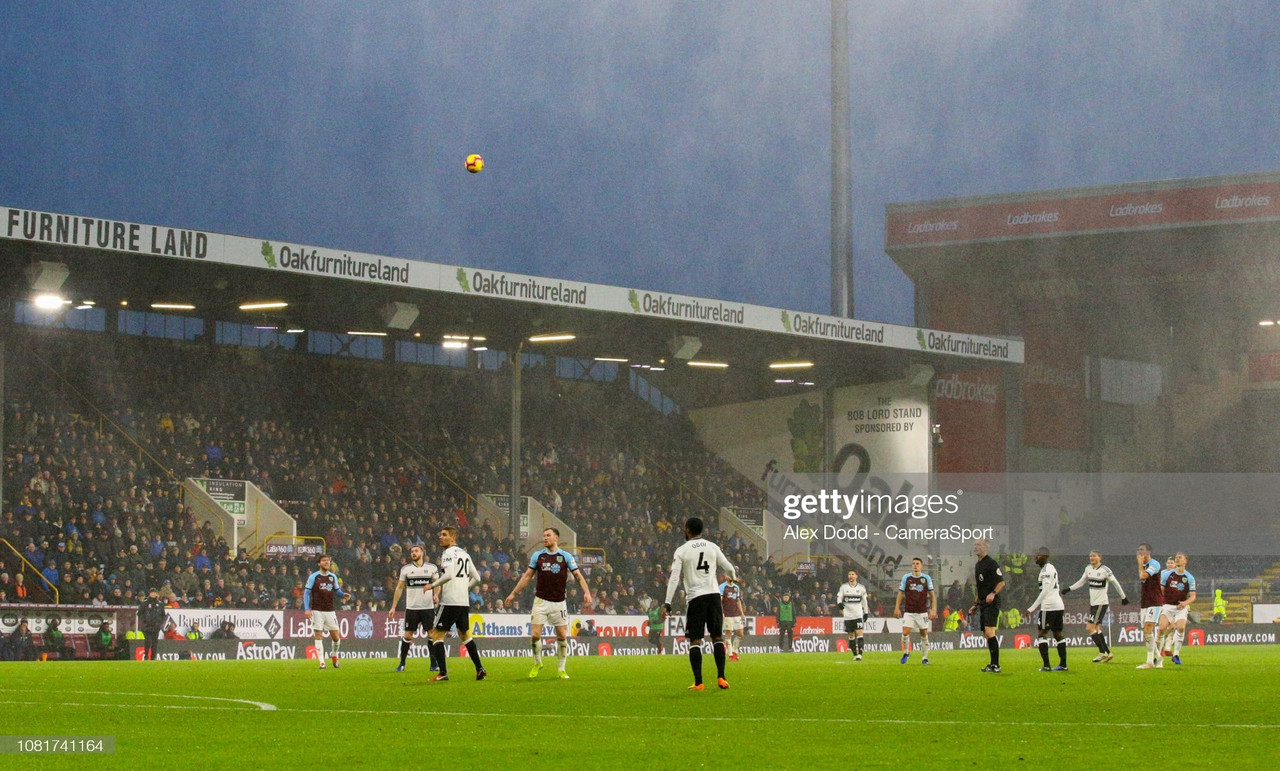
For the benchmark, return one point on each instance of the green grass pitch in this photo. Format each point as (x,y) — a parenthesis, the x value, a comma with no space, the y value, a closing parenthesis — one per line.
(783,711)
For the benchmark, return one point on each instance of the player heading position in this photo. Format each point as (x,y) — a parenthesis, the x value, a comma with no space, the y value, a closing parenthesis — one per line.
(419,602)
(1098,577)
(988,584)
(552,567)
(694,566)
(852,599)
(1179,589)
(457,576)
(735,618)
(1050,604)
(317,602)
(1152,599)
(917,606)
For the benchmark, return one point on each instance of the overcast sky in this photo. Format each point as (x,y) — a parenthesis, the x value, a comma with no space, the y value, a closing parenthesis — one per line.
(682,147)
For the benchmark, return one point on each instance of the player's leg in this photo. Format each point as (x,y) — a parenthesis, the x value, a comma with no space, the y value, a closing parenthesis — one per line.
(436,635)
(1042,640)
(336,636)
(989,618)
(562,649)
(715,627)
(535,643)
(473,650)
(319,643)
(906,641)
(696,623)
(924,646)
(1149,638)
(1179,635)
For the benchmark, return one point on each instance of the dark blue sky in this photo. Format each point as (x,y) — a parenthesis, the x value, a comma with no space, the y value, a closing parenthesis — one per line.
(674,146)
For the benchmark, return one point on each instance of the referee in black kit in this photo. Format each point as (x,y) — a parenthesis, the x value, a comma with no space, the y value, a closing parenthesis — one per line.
(988,581)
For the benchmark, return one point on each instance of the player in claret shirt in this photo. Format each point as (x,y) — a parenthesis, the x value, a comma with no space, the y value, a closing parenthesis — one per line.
(552,568)
(917,606)
(735,618)
(1179,592)
(1152,600)
(317,600)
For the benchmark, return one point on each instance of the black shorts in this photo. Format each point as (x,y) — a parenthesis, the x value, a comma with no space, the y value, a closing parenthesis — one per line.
(989,615)
(418,618)
(704,614)
(852,625)
(1050,621)
(655,635)
(452,616)
(1097,614)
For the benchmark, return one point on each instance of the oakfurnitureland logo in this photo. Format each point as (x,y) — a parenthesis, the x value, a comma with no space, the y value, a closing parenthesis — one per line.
(689,309)
(945,342)
(346,266)
(522,287)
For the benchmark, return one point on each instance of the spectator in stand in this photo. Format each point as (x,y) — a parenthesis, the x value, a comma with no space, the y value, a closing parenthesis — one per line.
(21,645)
(55,642)
(20,593)
(194,632)
(171,632)
(102,641)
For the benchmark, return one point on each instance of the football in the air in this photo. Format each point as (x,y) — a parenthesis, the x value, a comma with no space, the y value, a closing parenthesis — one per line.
(474,163)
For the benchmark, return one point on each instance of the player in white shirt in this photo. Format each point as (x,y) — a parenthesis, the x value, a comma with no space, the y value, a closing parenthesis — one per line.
(695,566)
(416,577)
(852,599)
(1049,603)
(1098,577)
(457,576)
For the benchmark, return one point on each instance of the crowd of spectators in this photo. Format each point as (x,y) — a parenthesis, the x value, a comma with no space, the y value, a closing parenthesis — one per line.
(372,457)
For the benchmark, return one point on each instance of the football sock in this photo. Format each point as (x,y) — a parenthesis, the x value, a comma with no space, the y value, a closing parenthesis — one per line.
(853,645)
(320,648)
(695,661)
(717,650)
(906,644)
(861,645)
(1098,641)
(924,647)
(1062,653)
(1043,645)
(336,645)
(536,645)
(474,653)
(993,647)
(1178,637)
(1150,639)
(404,651)
(441,657)
(431,654)
(562,653)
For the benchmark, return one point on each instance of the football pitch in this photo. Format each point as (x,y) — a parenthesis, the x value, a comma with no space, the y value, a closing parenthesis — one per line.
(782,711)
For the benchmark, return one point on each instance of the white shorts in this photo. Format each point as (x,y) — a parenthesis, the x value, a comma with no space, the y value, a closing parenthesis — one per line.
(735,623)
(324,621)
(549,613)
(1149,615)
(918,621)
(1173,613)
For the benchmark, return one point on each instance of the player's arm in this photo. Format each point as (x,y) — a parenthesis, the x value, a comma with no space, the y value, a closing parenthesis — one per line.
(897,605)
(395,600)
(525,577)
(673,583)
(933,604)
(473,575)
(1044,592)
(866,606)
(582,581)
(306,595)
(1191,592)
(1114,582)
(1142,568)
(1084,578)
(726,567)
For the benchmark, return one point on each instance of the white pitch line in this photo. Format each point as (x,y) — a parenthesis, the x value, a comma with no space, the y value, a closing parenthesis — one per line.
(683,718)
(259,704)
